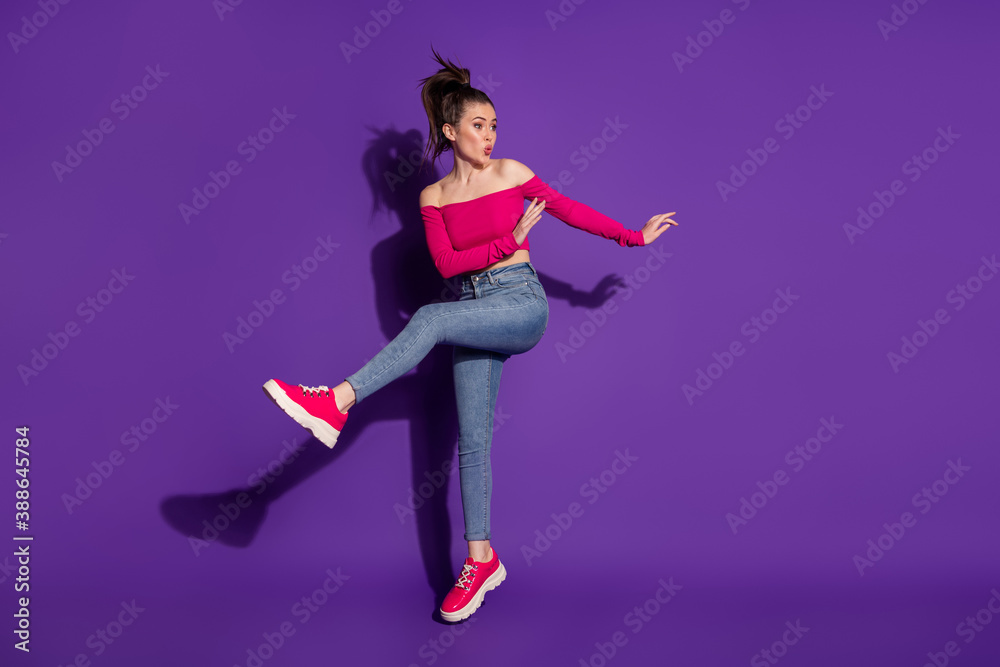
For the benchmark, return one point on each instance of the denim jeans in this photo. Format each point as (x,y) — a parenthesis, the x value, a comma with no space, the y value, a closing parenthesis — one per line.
(500,312)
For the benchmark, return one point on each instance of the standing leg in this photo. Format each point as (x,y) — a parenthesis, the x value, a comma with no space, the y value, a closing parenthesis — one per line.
(477,383)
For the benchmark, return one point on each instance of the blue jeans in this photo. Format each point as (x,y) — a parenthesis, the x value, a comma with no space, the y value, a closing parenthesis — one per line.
(501,312)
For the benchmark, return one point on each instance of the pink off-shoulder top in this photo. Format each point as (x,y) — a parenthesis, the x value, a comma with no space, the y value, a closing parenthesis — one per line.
(470,235)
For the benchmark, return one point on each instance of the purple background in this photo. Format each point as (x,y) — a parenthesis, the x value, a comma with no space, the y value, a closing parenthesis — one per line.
(562,417)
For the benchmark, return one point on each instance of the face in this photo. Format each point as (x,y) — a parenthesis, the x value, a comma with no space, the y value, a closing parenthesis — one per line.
(475,137)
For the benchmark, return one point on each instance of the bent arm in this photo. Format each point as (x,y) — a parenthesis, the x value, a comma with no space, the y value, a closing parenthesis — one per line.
(451,262)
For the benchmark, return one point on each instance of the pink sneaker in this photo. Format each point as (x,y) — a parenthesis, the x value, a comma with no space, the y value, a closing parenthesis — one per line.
(312,407)
(476,579)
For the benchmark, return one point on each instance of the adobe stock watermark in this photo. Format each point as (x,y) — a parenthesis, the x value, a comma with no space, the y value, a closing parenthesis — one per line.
(595,319)
(258,481)
(122,107)
(6,569)
(223,7)
(968,629)
(381,18)
(753,329)
(636,620)
(898,17)
(562,12)
(302,610)
(796,458)
(593,490)
(923,500)
(88,310)
(249,148)
(436,479)
(435,647)
(586,154)
(30,27)
(105,636)
(779,648)
(133,438)
(713,29)
(295,276)
(787,125)
(914,168)
(963,292)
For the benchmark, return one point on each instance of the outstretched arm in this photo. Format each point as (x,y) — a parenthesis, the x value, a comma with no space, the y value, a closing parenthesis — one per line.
(579,215)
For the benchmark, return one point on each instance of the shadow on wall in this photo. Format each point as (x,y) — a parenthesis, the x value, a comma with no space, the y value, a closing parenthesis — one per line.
(405,279)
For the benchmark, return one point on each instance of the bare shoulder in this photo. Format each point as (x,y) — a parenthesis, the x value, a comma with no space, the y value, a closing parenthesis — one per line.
(515,172)
(431,195)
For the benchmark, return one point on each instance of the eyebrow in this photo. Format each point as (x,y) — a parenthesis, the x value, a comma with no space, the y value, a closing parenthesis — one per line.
(480,118)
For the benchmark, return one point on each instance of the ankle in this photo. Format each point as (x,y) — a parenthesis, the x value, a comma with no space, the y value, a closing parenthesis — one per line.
(343,401)
(344,396)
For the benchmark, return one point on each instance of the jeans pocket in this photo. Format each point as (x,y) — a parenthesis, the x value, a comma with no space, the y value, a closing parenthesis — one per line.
(517,279)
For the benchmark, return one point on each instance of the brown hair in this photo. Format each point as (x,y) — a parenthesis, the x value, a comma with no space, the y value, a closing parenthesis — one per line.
(446,95)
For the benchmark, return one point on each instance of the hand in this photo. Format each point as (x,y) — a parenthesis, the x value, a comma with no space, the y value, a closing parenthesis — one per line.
(532,215)
(652,230)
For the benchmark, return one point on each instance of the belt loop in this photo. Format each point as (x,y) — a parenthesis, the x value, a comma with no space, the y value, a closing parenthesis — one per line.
(532,269)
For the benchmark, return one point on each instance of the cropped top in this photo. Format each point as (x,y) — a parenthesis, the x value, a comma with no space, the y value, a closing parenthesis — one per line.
(469,235)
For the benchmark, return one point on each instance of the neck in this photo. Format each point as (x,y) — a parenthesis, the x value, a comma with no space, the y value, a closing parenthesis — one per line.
(464,171)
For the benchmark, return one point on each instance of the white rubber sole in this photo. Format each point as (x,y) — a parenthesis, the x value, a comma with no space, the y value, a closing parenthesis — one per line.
(320,429)
(495,580)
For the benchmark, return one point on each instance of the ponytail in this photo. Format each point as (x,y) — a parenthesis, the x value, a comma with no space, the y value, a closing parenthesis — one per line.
(446,95)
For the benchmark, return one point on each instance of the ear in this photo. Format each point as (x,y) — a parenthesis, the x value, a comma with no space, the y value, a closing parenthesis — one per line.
(448,131)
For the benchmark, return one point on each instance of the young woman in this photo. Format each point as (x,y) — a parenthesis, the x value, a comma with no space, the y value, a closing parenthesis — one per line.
(476,226)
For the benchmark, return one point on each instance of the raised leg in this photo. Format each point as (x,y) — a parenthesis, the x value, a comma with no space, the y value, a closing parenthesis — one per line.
(504,324)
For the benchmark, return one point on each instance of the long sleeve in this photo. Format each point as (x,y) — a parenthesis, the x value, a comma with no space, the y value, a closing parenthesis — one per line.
(451,262)
(581,216)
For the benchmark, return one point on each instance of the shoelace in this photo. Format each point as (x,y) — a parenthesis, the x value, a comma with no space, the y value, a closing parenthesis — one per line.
(314,390)
(466,577)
